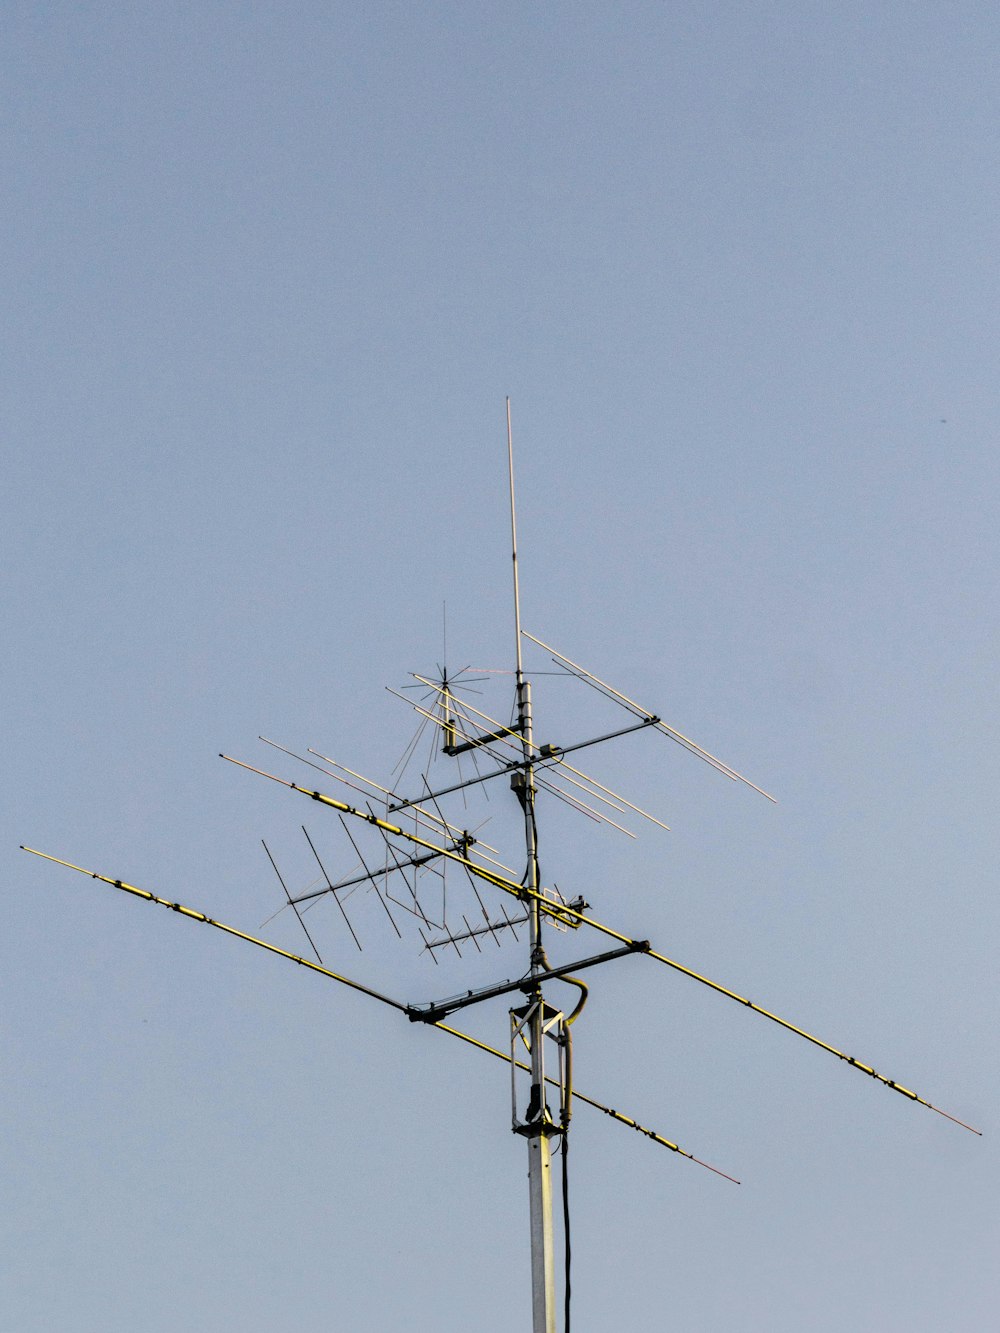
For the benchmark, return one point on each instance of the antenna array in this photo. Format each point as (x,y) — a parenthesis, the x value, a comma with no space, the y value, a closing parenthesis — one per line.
(417,845)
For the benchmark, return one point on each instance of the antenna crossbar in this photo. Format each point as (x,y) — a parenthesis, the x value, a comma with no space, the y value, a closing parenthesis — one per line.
(431,1013)
(491,927)
(511,736)
(475,743)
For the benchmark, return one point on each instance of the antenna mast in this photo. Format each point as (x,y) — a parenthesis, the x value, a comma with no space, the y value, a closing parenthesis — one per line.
(534,1020)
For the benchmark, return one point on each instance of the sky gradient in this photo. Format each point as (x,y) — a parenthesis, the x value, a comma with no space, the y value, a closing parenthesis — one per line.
(269,276)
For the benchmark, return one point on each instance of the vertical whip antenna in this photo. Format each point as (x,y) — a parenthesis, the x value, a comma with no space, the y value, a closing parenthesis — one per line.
(535,1023)
(513,548)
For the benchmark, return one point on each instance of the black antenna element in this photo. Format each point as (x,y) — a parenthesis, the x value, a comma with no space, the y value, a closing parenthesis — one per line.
(425,843)
(291,901)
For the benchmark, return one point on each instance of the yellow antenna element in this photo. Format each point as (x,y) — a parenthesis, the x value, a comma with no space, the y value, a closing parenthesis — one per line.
(582,920)
(582,1097)
(498,881)
(194,915)
(385,793)
(548,909)
(639,711)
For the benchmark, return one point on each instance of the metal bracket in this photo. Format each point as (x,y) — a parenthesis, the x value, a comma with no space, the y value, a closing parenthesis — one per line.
(538,1119)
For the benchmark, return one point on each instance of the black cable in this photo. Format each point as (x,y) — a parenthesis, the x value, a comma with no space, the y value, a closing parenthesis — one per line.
(534,832)
(565,1197)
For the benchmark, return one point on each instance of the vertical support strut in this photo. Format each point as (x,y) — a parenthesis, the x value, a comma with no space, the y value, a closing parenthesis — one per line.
(539,1155)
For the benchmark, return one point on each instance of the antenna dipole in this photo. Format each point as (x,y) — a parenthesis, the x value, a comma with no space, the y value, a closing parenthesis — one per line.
(539,1126)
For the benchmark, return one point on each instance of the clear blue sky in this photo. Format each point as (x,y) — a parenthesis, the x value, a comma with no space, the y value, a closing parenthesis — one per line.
(269,272)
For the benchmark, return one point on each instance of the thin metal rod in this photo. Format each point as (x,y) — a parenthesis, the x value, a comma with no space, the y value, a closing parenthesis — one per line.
(357,851)
(634,707)
(548,785)
(618,797)
(331,888)
(608,799)
(291,900)
(402,763)
(193,915)
(513,547)
(566,799)
(413,893)
(492,859)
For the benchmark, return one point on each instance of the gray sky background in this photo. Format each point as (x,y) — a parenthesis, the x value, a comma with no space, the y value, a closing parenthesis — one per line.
(269,273)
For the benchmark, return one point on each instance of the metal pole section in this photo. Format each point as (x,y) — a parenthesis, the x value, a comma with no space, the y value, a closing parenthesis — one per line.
(543,1302)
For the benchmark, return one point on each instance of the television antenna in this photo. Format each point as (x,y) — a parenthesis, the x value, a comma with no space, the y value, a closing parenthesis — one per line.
(418,840)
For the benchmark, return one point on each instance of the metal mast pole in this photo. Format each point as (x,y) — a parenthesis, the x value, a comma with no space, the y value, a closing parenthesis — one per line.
(537,1131)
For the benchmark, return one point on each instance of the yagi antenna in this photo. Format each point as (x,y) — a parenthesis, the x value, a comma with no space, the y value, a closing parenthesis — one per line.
(414,838)
(574,669)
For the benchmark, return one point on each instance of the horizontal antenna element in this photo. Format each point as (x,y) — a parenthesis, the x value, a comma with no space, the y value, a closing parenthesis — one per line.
(570,914)
(574,669)
(193,915)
